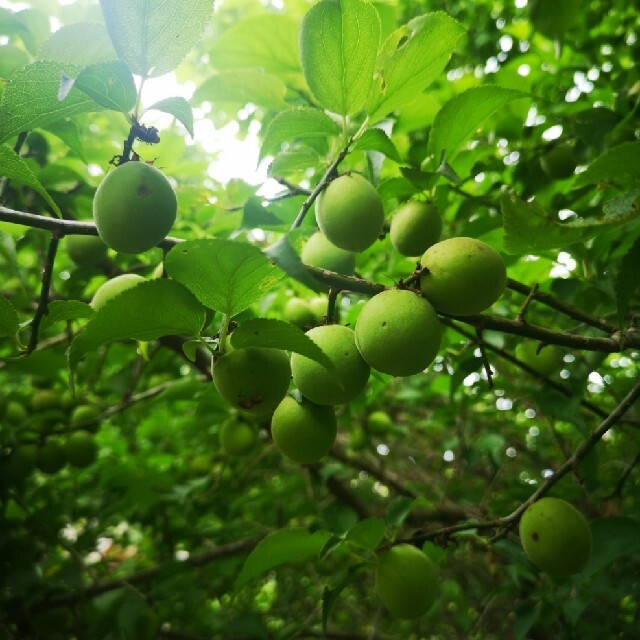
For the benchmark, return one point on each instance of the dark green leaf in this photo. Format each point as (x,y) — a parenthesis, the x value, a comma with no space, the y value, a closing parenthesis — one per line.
(367,533)
(68,132)
(411,58)
(152,38)
(277,334)
(628,279)
(462,115)
(65,310)
(296,124)
(14,167)
(330,595)
(280,547)
(620,165)
(613,538)
(147,311)
(255,215)
(225,275)
(179,108)
(338,46)
(9,321)
(109,84)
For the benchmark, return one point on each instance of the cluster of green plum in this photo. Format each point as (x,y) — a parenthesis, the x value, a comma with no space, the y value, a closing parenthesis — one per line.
(37,445)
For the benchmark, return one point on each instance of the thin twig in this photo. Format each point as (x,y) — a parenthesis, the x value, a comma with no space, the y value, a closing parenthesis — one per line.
(525,305)
(617,492)
(483,355)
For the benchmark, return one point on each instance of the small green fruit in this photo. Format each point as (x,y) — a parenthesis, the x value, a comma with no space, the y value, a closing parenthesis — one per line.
(19,464)
(86,415)
(297,311)
(320,253)
(303,431)
(331,387)
(350,213)
(134,207)
(237,438)
(398,332)
(15,413)
(253,379)
(111,288)
(86,251)
(80,449)
(547,361)
(464,276)
(556,537)
(558,162)
(406,581)
(379,423)
(319,306)
(51,457)
(415,226)
(45,400)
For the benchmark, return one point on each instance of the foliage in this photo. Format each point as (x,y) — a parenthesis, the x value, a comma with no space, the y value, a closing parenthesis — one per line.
(450,103)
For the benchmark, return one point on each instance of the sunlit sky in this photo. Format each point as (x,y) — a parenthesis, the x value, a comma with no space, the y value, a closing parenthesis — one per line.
(233,158)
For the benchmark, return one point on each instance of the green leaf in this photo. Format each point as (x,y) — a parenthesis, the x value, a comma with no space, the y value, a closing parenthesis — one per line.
(14,167)
(30,98)
(242,87)
(109,84)
(65,310)
(411,58)
(9,321)
(330,595)
(528,228)
(225,275)
(620,165)
(256,215)
(627,280)
(278,334)
(399,508)
(152,38)
(80,44)
(68,132)
(292,160)
(367,533)
(377,140)
(613,538)
(179,108)
(463,114)
(286,257)
(150,310)
(266,41)
(280,547)
(339,41)
(296,124)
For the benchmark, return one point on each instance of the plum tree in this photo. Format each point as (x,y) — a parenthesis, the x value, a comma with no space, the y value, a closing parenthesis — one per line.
(325,387)
(303,431)
(134,207)
(111,288)
(319,252)
(237,438)
(463,276)
(415,226)
(350,212)
(398,332)
(80,449)
(86,251)
(556,537)
(406,581)
(546,361)
(252,379)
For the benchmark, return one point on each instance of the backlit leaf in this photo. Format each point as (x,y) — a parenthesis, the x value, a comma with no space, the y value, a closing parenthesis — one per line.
(9,321)
(179,108)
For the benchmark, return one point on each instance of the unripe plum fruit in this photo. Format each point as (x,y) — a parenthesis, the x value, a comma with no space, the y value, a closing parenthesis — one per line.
(86,251)
(406,581)
(134,207)
(20,462)
(350,213)
(321,385)
(252,379)
(415,226)
(237,438)
(320,253)
(464,276)
(546,361)
(297,311)
(379,422)
(398,332)
(556,537)
(50,457)
(80,449)
(558,162)
(303,431)
(111,288)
